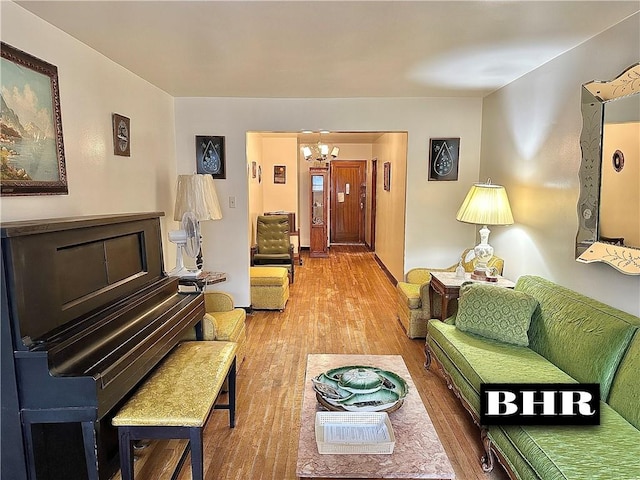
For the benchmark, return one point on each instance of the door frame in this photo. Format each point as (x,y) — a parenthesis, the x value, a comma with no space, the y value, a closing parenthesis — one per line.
(374,196)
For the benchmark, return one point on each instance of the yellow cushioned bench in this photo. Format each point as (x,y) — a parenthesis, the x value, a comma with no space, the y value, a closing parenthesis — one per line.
(269,288)
(176,400)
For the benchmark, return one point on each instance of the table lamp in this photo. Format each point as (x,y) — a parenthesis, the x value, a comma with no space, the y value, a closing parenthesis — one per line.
(197,194)
(485,204)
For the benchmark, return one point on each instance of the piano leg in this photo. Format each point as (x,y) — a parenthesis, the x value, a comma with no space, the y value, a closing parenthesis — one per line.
(86,417)
(90,453)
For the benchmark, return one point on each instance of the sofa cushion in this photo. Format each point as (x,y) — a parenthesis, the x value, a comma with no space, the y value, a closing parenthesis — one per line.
(229,324)
(409,294)
(582,336)
(479,360)
(495,312)
(604,452)
(624,397)
(268,276)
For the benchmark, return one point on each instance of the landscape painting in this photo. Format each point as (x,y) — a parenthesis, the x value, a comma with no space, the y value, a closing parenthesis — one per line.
(31,146)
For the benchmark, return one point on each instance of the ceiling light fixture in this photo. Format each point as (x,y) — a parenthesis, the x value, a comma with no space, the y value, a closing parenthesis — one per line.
(319,151)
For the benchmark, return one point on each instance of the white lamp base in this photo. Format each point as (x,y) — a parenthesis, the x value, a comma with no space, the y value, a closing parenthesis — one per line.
(483,252)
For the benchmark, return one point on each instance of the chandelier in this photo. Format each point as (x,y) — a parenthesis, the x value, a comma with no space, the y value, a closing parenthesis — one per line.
(319,151)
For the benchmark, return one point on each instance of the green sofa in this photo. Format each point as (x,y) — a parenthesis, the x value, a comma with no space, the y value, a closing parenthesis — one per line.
(571,338)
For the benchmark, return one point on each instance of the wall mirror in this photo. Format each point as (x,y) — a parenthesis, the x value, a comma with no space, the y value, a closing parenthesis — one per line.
(609,202)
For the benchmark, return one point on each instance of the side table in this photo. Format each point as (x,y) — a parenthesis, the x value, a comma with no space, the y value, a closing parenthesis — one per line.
(201,281)
(447,285)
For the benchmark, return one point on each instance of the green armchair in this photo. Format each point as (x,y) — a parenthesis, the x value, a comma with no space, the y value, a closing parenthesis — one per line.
(273,246)
(414,308)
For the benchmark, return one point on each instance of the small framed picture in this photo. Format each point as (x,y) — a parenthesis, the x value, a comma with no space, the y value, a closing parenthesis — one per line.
(443,158)
(210,156)
(121,135)
(279,174)
(387,176)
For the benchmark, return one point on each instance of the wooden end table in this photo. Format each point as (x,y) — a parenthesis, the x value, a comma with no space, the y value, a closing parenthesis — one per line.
(447,285)
(201,281)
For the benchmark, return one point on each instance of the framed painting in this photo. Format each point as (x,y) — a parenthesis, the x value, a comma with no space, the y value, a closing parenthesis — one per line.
(443,158)
(31,144)
(279,174)
(210,156)
(387,176)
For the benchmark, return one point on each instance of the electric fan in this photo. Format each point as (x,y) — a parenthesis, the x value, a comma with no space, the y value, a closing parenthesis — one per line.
(187,239)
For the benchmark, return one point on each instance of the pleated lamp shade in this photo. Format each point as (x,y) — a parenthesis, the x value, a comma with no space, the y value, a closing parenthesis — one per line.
(197,194)
(486,204)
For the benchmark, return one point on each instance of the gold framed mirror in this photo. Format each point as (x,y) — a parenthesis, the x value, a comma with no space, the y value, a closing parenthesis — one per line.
(609,202)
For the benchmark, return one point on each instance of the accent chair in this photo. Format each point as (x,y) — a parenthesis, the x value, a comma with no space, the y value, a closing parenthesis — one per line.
(414,308)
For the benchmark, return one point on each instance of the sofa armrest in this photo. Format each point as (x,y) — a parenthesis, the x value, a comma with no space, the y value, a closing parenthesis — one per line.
(252,252)
(422,276)
(217,302)
(209,327)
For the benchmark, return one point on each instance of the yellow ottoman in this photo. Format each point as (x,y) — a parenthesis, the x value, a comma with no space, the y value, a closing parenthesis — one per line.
(269,288)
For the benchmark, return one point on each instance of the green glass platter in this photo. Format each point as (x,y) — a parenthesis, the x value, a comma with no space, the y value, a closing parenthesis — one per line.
(359,388)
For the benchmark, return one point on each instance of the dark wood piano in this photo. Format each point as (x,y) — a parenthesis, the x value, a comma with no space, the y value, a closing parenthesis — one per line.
(87,312)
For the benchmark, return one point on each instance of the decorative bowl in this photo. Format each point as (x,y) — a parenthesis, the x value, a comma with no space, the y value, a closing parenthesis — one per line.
(357,388)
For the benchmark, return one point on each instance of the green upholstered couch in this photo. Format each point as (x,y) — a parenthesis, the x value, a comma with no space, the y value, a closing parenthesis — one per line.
(572,338)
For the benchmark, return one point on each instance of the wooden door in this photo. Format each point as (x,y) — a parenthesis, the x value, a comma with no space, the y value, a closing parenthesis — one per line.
(348,201)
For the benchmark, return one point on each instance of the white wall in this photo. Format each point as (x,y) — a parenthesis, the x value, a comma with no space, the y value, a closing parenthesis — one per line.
(390,204)
(255,197)
(280,196)
(530,144)
(92,87)
(433,237)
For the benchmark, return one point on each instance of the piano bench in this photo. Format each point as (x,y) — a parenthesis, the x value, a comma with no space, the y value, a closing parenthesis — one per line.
(176,400)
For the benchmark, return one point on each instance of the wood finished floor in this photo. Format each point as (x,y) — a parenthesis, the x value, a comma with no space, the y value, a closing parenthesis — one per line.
(340,304)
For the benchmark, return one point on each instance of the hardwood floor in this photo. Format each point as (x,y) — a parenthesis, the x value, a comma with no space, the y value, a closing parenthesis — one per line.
(341,304)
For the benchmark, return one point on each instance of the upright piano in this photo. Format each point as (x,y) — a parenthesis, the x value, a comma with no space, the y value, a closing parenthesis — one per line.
(87,312)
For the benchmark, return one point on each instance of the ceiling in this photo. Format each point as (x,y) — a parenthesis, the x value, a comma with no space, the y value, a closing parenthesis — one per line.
(313,138)
(331,48)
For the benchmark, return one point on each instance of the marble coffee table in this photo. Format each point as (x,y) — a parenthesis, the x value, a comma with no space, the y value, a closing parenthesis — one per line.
(418,452)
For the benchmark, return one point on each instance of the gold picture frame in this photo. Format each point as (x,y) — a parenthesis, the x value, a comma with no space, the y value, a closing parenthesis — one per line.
(31,143)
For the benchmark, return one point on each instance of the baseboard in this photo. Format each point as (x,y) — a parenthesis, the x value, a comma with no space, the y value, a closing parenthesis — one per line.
(384,269)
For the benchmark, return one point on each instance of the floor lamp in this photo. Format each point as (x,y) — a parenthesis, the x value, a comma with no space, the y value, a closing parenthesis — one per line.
(485,204)
(197,194)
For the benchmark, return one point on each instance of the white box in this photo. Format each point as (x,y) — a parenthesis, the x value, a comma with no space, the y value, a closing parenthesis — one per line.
(354,433)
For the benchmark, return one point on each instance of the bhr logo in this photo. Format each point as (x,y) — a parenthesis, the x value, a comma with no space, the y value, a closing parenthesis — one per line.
(540,404)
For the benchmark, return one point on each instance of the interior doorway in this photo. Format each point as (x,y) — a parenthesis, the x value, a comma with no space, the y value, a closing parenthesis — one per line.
(348,201)
(384,210)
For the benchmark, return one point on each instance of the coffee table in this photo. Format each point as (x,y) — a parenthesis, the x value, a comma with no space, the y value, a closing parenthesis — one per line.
(418,452)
